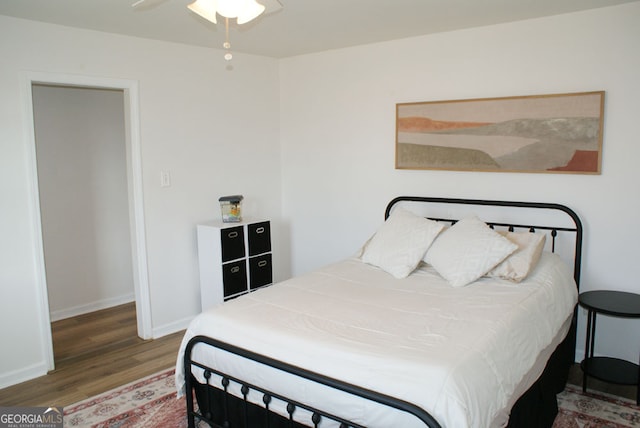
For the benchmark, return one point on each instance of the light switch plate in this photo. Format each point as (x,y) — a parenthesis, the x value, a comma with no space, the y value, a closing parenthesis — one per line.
(165,178)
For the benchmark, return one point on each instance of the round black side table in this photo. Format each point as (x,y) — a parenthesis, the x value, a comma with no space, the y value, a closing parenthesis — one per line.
(614,370)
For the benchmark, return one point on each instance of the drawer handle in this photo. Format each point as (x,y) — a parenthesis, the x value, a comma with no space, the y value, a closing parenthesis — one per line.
(262,263)
(260,230)
(233,234)
(235,269)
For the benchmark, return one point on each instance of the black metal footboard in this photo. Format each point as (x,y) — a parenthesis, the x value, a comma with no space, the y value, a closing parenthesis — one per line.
(222,417)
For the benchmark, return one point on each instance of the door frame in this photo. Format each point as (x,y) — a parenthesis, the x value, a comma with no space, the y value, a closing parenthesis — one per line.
(134,191)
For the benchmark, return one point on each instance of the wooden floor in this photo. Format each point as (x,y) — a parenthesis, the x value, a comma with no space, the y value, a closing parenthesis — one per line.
(94,353)
(100,351)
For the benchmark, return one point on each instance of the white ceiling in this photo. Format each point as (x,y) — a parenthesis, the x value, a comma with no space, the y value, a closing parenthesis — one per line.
(299,27)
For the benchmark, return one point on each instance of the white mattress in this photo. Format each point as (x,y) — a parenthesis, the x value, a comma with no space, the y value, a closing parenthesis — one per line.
(462,354)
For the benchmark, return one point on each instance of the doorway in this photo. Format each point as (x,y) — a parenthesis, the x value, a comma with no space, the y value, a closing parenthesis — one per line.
(82,182)
(93,226)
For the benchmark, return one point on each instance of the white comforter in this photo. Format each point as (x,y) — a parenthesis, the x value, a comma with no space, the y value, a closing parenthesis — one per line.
(462,354)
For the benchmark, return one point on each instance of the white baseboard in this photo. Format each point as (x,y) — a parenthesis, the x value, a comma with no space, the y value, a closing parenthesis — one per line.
(61,314)
(22,375)
(172,327)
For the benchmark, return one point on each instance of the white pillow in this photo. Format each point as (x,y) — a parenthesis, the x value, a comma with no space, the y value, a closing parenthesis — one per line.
(517,266)
(468,250)
(401,242)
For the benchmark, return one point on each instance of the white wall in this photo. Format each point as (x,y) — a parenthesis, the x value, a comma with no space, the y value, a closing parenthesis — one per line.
(338,136)
(215,130)
(82,180)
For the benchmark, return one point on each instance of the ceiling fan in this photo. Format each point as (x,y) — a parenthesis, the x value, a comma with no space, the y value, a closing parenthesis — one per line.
(242,11)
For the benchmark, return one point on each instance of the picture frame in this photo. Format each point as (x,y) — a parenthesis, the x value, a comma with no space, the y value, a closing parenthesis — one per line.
(556,133)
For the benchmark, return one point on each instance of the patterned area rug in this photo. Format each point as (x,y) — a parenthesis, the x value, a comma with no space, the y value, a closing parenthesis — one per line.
(152,402)
(148,402)
(589,410)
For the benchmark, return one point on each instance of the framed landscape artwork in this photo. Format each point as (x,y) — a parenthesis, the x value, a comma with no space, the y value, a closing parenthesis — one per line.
(560,133)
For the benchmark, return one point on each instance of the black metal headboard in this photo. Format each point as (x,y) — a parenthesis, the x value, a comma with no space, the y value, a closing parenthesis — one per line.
(575,227)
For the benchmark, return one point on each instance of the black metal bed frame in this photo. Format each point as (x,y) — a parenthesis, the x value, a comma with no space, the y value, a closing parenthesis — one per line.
(238,411)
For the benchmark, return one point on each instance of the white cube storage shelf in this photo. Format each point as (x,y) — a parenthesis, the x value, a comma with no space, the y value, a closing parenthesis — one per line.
(234,258)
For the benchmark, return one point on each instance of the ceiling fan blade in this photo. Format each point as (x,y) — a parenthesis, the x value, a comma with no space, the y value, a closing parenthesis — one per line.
(146,4)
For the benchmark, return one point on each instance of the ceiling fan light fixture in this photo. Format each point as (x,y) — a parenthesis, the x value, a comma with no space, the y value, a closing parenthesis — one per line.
(243,10)
(205,8)
(249,11)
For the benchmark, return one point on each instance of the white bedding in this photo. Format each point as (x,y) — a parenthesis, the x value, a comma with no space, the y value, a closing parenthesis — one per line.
(462,354)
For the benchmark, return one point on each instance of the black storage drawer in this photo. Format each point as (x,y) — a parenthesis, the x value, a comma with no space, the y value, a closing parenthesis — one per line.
(259,237)
(234,277)
(260,271)
(232,243)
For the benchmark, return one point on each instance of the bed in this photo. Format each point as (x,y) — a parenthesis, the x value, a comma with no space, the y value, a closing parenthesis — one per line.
(382,339)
